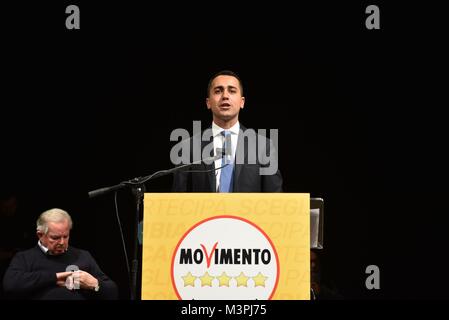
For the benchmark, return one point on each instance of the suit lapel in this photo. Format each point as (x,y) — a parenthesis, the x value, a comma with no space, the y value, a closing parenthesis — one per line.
(211,167)
(238,167)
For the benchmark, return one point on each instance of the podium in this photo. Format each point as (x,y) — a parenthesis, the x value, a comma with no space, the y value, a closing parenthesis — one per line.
(226,246)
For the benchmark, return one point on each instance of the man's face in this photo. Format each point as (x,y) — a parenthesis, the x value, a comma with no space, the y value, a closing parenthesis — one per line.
(57,237)
(225,99)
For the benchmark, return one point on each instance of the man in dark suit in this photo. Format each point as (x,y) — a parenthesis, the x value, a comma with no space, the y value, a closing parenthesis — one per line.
(249,161)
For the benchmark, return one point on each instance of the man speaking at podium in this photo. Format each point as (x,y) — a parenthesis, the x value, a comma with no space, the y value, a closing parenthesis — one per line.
(238,169)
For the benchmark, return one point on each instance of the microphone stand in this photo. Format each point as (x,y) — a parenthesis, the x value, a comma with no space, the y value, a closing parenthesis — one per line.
(138,192)
(138,188)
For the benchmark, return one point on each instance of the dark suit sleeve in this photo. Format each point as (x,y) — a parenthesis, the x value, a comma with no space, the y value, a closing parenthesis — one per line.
(108,288)
(180,181)
(19,280)
(271,182)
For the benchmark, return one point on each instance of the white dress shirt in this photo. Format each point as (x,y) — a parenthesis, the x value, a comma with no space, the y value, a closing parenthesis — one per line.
(218,143)
(43,248)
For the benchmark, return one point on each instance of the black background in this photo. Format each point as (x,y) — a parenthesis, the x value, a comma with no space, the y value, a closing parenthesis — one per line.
(359,113)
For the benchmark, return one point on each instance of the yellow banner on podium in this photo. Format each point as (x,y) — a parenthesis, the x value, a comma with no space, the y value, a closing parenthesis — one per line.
(226,246)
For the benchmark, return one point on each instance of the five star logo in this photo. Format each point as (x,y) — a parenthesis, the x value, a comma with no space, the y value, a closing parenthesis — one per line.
(259,280)
(210,262)
(224,279)
(242,280)
(189,280)
(206,280)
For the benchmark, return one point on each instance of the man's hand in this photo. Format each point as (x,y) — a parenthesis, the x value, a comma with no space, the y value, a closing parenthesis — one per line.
(61,278)
(86,280)
(76,280)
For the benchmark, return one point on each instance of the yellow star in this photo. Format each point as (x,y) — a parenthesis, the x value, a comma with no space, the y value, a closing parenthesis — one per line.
(206,280)
(242,280)
(189,280)
(224,280)
(259,280)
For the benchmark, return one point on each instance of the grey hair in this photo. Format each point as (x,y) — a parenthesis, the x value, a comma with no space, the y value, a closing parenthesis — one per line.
(52,215)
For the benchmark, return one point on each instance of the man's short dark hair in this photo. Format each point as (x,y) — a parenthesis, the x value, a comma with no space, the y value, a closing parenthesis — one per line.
(224,73)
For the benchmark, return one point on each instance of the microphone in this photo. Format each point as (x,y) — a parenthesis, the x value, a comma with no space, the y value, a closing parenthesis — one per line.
(209,159)
(101,191)
(219,154)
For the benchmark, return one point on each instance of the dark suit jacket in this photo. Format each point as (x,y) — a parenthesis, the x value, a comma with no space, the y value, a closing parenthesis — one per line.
(247,177)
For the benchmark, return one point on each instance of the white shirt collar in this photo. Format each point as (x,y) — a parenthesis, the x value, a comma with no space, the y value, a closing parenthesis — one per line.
(43,248)
(216,130)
